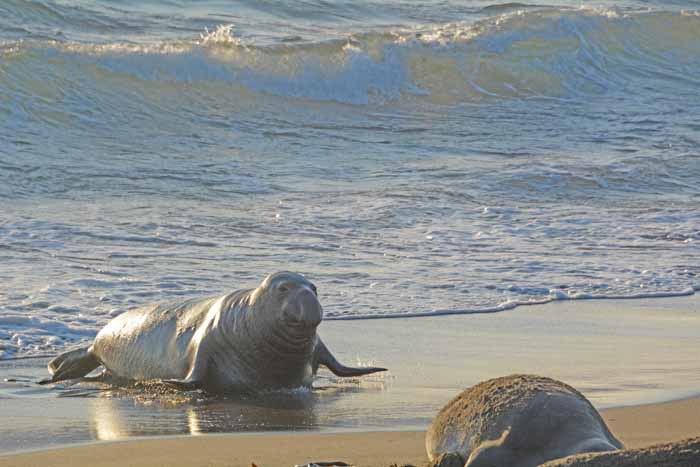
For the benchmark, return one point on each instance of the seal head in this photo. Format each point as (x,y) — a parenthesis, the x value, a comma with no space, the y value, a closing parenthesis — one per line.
(291,301)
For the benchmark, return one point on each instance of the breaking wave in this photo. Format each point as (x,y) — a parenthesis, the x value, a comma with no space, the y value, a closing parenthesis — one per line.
(553,53)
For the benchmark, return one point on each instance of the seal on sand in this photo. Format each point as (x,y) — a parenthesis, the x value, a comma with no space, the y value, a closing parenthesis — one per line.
(247,341)
(518,421)
(684,453)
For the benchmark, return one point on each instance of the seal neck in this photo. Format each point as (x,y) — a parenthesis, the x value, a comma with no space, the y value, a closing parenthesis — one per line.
(258,336)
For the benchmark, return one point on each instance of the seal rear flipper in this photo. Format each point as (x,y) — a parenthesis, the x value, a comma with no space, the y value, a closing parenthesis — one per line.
(325,357)
(71,365)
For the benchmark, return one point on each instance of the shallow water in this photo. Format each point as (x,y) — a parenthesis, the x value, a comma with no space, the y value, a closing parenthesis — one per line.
(410,157)
(615,352)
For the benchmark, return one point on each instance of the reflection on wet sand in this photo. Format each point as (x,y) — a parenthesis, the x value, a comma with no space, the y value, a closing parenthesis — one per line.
(152,409)
(76,412)
(118,417)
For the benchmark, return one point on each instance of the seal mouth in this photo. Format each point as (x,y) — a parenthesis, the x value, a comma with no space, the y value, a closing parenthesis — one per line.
(295,334)
(300,326)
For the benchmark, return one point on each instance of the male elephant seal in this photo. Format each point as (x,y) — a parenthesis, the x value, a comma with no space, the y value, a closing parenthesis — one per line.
(517,421)
(247,341)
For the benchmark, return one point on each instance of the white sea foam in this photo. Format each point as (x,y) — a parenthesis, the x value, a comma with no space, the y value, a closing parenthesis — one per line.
(554,295)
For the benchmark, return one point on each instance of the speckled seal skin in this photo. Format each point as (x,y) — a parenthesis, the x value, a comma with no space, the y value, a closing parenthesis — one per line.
(685,453)
(246,341)
(518,421)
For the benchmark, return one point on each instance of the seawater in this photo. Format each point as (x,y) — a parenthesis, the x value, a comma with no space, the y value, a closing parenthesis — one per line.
(410,157)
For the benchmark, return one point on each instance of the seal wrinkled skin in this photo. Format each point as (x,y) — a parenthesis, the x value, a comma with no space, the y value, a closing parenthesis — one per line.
(518,421)
(246,341)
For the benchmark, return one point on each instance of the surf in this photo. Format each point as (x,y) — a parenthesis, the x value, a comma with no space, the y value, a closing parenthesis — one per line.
(545,53)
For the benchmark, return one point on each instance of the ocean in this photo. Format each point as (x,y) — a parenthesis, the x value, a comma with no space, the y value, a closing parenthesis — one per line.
(412,158)
(409,157)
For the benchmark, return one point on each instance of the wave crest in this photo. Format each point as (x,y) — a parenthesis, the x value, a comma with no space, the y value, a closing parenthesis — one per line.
(523,53)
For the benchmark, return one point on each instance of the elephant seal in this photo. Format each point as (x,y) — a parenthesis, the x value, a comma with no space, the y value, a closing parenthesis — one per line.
(246,341)
(685,453)
(517,421)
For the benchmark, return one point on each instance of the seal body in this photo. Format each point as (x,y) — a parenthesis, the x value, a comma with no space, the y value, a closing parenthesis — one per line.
(518,421)
(249,340)
(684,453)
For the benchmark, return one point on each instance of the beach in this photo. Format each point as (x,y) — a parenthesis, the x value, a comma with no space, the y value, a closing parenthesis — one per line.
(629,357)
(471,189)
(636,426)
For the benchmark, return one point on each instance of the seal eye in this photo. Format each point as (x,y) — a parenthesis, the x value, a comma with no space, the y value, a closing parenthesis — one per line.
(283,288)
(313,287)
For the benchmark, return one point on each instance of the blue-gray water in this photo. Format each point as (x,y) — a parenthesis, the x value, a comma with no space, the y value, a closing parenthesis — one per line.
(409,157)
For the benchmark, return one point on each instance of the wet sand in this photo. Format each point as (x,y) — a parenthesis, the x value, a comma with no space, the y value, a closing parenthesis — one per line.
(635,426)
(617,352)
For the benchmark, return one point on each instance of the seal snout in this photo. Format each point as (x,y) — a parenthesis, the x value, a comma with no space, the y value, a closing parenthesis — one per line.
(302,309)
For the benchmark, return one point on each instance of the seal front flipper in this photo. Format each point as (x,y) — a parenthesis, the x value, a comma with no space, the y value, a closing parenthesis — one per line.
(182,384)
(325,357)
(191,382)
(195,376)
(71,365)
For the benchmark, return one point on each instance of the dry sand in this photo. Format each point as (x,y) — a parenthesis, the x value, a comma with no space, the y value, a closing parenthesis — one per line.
(635,426)
(655,423)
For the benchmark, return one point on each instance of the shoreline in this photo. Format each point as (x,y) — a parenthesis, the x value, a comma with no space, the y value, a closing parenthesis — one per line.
(636,426)
(624,356)
(512,305)
(692,293)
